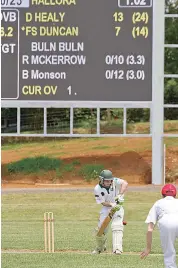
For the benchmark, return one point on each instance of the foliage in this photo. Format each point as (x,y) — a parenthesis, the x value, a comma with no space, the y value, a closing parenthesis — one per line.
(34,164)
(68,167)
(76,162)
(171,6)
(171,59)
(171,92)
(90,171)
(138,115)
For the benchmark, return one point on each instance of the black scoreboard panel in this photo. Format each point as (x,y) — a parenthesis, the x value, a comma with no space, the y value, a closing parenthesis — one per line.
(76,50)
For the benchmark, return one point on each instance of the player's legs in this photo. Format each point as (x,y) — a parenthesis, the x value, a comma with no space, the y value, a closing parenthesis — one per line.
(102,217)
(168,232)
(101,241)
(117,231)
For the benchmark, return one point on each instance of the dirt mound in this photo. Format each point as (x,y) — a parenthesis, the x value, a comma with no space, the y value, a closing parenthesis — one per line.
(131,166)
(134,168)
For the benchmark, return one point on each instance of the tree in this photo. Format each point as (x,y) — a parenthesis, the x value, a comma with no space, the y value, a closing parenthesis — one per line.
(171,92)
(171,58)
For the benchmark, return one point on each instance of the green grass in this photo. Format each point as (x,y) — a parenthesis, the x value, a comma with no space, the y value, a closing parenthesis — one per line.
(76,216)
(55,154)
(18,146)
(171,142)
(60,172)
(72,260)
(39,165)
(95,142)
(90,171)
(76,162)
(68,167)
(171,126)
(138,128)
(34,164)
(101,147)
(12,143)
(58,130)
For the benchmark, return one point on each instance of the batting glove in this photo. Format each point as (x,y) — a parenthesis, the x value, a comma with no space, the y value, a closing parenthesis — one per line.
(119,199)
(116,208)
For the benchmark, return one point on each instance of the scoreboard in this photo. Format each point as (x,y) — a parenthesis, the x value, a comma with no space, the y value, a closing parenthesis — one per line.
(76,50)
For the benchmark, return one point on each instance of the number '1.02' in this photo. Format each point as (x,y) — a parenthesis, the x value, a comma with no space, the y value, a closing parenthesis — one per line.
(135,3)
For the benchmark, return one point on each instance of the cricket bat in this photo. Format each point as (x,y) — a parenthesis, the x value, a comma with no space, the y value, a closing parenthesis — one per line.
(106,222)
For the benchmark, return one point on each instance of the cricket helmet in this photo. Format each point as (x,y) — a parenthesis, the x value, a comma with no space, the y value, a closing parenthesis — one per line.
(106,175)
(169,190)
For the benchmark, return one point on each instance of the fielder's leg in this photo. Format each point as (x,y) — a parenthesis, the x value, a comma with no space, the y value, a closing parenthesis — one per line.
(101,241)
(168,232)
(117,231)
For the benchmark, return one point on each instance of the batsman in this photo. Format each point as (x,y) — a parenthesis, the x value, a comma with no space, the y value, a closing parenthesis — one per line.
(109,192)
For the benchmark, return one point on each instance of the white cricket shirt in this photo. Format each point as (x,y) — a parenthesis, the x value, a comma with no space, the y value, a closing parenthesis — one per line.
(104,195)
(167,205)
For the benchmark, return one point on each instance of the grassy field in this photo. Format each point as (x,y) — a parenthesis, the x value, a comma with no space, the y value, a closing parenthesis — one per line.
(76,215)
(73,260)
(108,143)
(112,126)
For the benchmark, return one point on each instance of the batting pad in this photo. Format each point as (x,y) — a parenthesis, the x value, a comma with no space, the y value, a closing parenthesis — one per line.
(117,234)
(117,240)
(100,242)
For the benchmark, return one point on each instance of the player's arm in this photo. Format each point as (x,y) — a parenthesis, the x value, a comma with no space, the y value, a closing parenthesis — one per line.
(149,235)
(148,240)
(124,186)
(108,204)
(151,220)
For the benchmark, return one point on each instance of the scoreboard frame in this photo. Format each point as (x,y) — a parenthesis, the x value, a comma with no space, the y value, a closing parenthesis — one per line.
(156,105)
(98,87)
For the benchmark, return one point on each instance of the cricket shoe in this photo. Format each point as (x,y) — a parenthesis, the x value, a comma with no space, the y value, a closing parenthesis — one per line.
(96,251)
(118,252)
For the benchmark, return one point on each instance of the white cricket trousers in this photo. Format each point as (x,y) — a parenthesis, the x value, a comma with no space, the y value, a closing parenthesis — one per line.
(168,227)
(116,227)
